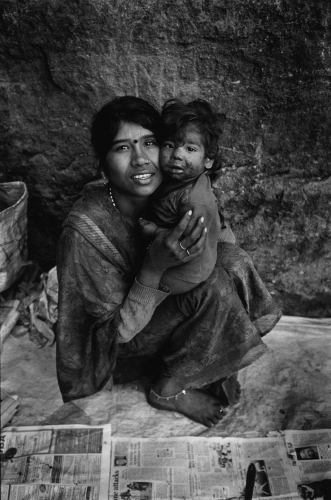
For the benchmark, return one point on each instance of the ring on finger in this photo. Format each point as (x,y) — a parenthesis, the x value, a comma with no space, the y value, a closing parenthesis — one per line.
(188,253)
(181,246)
(221,409)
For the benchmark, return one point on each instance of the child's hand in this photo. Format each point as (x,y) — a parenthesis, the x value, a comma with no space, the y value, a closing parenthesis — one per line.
(149,228)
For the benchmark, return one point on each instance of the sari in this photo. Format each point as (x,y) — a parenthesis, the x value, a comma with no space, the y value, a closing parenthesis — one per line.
(201,337)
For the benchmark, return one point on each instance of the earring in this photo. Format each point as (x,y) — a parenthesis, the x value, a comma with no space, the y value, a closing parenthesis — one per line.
(104,178)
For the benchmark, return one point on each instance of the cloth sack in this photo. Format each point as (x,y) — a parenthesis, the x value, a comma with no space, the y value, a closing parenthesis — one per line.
(13,231)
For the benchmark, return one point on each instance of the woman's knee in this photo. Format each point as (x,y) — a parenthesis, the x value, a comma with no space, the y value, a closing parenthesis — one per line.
(231,256)
(207,294)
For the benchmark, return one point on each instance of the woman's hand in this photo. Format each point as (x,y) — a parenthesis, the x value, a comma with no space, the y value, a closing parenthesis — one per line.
(168,250)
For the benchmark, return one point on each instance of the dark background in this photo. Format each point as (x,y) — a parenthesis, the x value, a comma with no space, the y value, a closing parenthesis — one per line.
(265,63)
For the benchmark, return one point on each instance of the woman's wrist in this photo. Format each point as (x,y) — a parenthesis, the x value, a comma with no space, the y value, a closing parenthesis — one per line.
(149,277)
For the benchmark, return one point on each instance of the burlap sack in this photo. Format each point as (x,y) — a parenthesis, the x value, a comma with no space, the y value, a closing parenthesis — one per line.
(13,231)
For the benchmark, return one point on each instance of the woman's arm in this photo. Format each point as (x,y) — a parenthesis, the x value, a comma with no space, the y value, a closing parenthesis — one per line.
(99,294)
(106,294)
(100,305)
(147,291)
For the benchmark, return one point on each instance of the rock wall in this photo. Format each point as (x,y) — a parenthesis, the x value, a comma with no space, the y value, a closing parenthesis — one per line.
(265,63)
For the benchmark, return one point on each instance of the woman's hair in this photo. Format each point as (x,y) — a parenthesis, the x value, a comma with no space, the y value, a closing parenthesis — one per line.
(177,115)
(107,120)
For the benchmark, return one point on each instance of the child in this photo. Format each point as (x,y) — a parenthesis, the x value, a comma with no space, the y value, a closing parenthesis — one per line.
(191,134)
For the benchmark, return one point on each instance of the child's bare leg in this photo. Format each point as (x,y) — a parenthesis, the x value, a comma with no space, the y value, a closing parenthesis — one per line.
(197,405)
(149,228)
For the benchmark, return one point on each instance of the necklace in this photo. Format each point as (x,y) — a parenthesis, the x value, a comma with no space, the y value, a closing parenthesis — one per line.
(127,218)
(112,199)
(114,205)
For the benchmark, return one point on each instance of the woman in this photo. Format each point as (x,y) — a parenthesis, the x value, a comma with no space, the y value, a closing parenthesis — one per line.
(113,307)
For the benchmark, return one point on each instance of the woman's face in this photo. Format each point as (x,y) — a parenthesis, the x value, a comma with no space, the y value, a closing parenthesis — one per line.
(132,163)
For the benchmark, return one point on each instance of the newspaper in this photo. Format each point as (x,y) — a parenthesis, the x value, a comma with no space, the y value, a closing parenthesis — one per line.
(204,468)
(64,462)
(8,407)
(296,464)
(78,462)
(309,453)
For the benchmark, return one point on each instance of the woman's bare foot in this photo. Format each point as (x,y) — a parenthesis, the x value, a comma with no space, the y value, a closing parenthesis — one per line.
(197,405)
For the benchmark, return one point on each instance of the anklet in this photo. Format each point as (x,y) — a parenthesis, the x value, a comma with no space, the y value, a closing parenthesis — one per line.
(167,397)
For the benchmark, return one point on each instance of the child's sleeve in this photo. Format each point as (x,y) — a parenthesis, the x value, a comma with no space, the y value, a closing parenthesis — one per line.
(205,210)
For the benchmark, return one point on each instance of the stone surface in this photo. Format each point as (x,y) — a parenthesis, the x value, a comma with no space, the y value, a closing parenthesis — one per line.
(265,63)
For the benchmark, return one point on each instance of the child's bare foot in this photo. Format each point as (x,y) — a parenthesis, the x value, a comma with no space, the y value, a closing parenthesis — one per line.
(148,227)
(216,388)
(197,405)
(238,392)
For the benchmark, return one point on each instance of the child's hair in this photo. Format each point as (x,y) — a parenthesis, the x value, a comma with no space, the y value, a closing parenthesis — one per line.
(176,115)
(106,122)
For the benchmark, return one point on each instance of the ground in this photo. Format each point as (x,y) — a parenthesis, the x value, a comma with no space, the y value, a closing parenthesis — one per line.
(288,388)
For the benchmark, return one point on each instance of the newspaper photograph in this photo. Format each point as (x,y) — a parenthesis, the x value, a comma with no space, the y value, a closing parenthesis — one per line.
(309,453)
(198,468)
(70,462)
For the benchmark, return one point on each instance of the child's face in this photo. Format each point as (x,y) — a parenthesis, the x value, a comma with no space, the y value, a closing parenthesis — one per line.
(187,160)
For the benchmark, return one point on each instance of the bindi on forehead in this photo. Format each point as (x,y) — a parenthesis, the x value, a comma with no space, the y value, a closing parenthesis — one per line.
(135,141)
